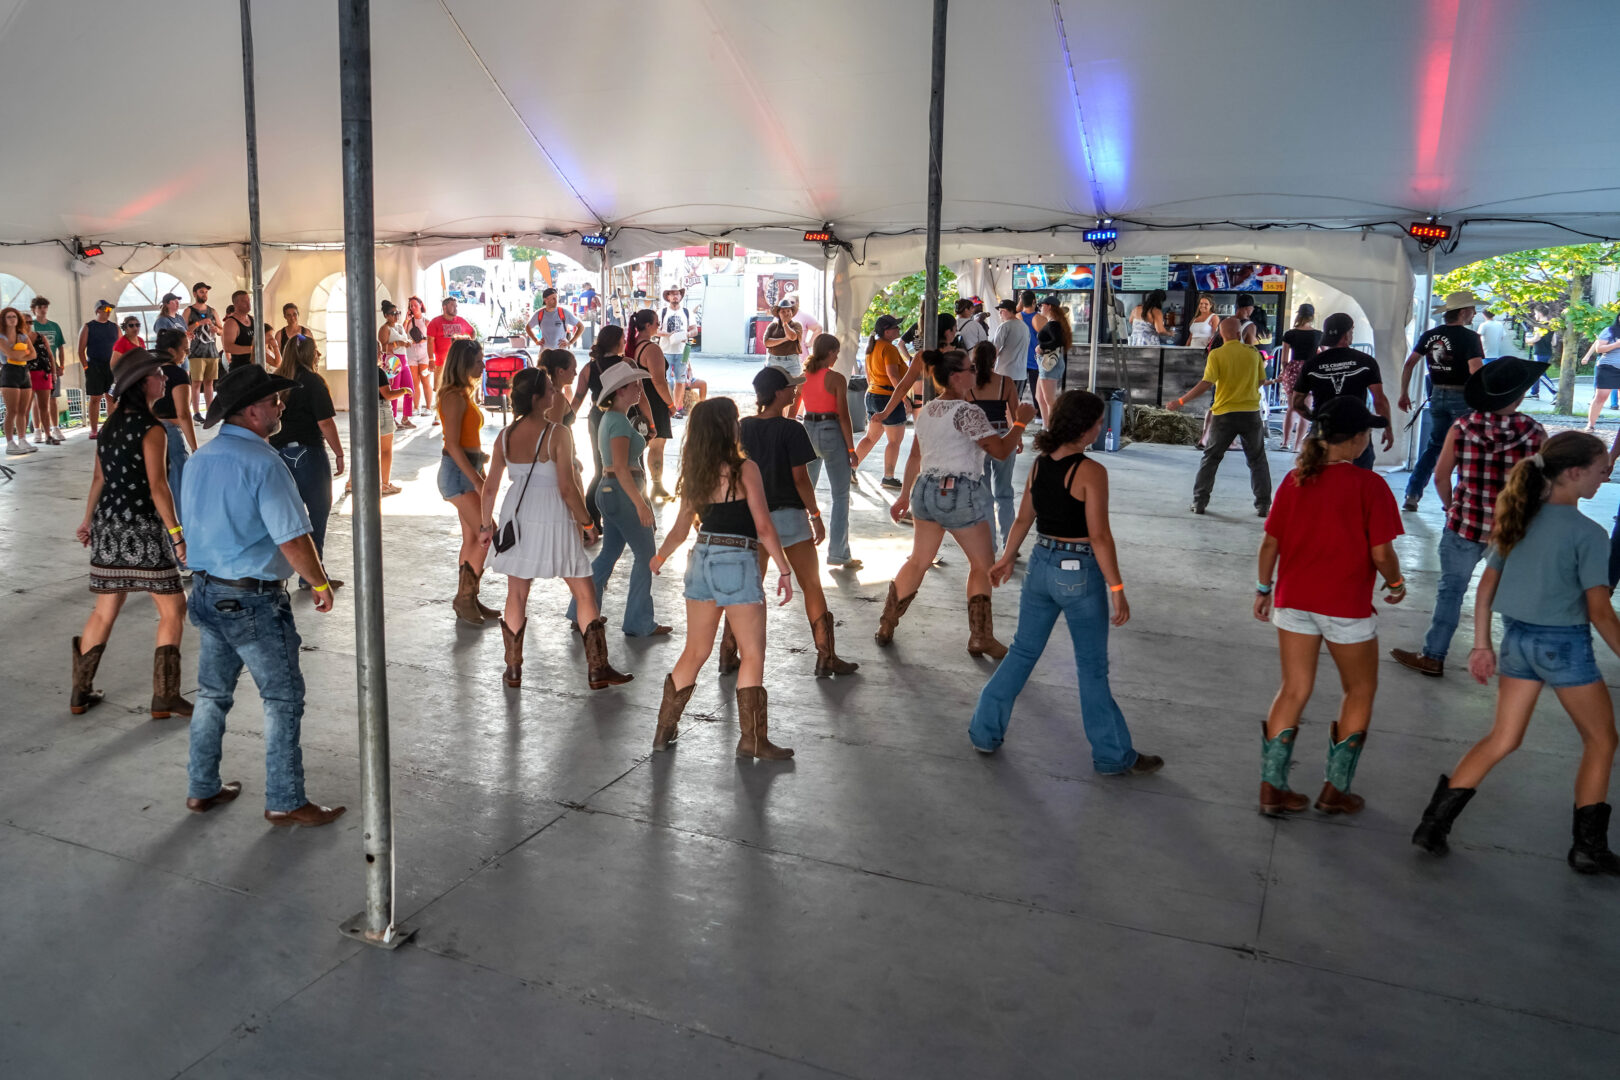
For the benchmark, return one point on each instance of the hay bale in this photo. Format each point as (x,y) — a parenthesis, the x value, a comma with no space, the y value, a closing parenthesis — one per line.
(1144,423)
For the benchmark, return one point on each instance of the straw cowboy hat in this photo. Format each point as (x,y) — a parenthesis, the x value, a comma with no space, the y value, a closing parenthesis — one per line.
(1458,300)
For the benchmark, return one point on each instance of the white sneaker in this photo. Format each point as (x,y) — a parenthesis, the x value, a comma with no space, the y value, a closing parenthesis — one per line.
(39,438)
(26,448)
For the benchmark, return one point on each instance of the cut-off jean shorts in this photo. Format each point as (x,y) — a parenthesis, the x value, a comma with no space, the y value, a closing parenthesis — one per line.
(452,481)
(965,505)
(792,526)
(724,576)
(1560,656)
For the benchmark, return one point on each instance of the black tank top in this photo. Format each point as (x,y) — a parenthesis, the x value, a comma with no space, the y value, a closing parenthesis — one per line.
(1058,513)
(244,333)
(995,410)
(731,517)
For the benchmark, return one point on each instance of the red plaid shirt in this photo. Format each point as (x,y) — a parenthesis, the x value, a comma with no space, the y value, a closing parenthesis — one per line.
(1488,446)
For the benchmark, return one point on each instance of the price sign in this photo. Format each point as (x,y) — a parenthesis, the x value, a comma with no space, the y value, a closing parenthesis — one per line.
(1144,273)
(495,251)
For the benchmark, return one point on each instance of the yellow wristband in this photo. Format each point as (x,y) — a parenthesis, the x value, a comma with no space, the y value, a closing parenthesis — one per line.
(174,530)
(323,586)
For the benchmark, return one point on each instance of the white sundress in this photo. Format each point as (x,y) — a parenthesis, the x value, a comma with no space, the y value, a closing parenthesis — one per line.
(549,543)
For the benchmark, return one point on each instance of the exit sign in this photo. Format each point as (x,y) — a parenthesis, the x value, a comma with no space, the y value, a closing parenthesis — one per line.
(495,251)
(721,249)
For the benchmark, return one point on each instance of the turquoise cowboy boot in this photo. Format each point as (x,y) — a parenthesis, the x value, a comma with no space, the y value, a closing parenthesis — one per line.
(1275,754)
(1342,757)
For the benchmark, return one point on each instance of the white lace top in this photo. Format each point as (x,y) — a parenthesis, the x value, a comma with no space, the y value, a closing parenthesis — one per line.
(949,432)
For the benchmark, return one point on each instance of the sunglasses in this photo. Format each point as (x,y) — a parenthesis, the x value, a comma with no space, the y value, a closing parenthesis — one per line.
(132,326)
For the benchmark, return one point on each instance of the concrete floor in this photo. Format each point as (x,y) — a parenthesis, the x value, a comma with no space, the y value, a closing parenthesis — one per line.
(889,903)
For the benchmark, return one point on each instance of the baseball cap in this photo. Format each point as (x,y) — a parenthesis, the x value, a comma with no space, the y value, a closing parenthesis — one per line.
(772,380)
(169,296)
(1007,305)
(885,322)
(1345,416)
(201,285)
(975,301)
(1337,325)
(108,304)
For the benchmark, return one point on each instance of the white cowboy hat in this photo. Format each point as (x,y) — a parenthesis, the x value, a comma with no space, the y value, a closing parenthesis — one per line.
(618,376)
(1458,300)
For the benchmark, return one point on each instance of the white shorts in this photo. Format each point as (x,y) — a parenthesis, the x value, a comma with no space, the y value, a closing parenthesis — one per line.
(1336,630)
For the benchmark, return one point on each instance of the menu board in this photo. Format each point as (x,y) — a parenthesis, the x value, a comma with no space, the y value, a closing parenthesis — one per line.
(1144,273)
(1064,277)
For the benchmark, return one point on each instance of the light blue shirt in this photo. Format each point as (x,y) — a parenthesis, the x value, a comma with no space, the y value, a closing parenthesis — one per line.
(241,505)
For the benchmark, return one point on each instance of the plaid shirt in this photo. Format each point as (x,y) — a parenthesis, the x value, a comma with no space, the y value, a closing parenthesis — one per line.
(1488,446)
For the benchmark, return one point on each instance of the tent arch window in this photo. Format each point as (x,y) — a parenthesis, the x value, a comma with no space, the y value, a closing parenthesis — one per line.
(15,292)
(329,317)
(143,297)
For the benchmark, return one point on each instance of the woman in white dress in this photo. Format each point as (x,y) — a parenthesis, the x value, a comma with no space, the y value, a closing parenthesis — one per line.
(538,533)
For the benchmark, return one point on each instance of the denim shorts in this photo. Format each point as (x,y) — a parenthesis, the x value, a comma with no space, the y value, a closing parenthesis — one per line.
(792,526)
(386,424)
(724,576)
(1559,656)
(679,369)
(452,481)
(876,403)
(962,507)
(1056,374)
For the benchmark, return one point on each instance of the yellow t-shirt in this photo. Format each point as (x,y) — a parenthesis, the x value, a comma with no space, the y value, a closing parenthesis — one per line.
(884,368)
(1236,370)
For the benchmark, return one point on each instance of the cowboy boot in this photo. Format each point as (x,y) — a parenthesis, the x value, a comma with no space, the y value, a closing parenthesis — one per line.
(982,629)
(1444,806)
(466,605)
(1341,769)
(166,699)
(84,676)
(1590,853)
(669,713)
(827,661)
(894,609)
(1275,754)
(514,652)
(483,609)
(728,661)
(598,672)
(751,716)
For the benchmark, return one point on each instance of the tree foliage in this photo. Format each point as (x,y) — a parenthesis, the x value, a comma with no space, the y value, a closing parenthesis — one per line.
(525,254)
(1547,289)
(904,299)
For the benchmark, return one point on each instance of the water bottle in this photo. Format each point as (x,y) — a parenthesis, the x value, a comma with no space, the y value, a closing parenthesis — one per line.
(1111,440)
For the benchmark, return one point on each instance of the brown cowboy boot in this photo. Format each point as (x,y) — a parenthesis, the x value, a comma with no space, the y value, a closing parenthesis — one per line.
(483,609)
(751,716)
(598,672)
(514,652)
(84,677)
(166,699)
(827,661)
(894,609)
(669,713)
(466,605)
(982,629)
(728,661)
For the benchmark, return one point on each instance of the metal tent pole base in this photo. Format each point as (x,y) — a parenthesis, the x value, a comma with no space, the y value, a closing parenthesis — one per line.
(391,939)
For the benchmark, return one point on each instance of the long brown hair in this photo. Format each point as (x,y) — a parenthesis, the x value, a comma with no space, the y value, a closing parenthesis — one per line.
(459,364)
(711,446)
(296,356)
(822,352)
(1528,483)
(1061,317)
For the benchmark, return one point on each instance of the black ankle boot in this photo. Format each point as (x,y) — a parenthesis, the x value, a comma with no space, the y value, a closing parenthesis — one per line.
(1444,806)
(1590,853)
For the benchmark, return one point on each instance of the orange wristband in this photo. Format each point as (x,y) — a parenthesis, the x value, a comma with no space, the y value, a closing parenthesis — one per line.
(1117,588)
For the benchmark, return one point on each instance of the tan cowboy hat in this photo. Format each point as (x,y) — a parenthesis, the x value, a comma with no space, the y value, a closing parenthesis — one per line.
(618,376)
(1458,300)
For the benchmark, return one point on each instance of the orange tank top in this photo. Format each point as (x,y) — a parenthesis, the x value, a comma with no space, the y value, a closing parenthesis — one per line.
(472,423)
(814,394)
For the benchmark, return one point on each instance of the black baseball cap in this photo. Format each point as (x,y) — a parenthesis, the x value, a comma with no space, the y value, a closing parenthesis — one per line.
(1345,416)
(773,380)
(169,296)
(1337,325)
(200,285)
(1007,305)
(885,322)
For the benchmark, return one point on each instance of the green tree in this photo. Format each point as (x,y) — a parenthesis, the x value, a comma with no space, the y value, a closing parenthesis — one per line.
(904,299)
(1545,290)
(525,254)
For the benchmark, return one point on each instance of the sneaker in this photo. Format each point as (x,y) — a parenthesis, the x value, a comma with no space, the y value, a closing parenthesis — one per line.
(891,482)
(25,447)
(1433,667)
(198,417)
(1410,506)
(39,438)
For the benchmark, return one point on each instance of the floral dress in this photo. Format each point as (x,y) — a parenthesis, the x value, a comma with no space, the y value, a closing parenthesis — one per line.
(129,546)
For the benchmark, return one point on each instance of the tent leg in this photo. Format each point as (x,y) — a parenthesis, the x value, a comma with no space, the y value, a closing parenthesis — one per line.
(1098,281)
(1422,325)
(936,151)
(375,925)
(251,128)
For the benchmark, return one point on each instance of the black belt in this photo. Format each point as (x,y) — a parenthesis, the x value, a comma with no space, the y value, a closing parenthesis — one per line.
(727,540)
(1082,546)
(251,584)
(820,416)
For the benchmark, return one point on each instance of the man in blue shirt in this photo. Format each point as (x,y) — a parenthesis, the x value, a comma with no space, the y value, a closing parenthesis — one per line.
(247,530)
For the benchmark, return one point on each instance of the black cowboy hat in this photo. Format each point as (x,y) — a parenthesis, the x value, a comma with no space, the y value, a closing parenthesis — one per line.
(1501,382)
(243,387)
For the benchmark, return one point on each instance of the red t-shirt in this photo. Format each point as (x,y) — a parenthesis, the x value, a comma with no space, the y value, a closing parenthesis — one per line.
(1326,531)
(440,331)
(124,345)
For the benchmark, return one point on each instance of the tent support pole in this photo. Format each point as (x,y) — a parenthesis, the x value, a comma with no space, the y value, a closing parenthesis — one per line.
(1100,276)
(936,152)
(374,925)
(251,128)
(1413,432)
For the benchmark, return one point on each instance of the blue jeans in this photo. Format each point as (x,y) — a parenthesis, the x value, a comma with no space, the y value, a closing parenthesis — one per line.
(1081,597)
(1458,557)
(828,439)
(312,472)
(1446,407)
(998,481)
(621,526)
(237,627)
(179,454)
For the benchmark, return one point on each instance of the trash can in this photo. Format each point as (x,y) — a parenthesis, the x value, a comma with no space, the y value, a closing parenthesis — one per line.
(1112,434)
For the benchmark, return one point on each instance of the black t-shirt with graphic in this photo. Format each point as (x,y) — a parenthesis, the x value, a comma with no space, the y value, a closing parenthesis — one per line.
(777,444)
(1339,372)
(1448,349)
